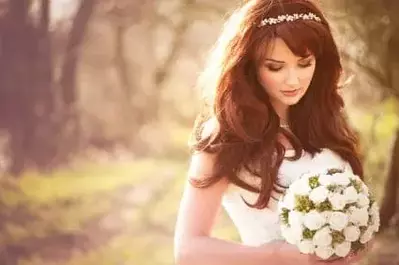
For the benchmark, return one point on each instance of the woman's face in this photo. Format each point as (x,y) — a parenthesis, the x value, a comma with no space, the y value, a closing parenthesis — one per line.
(285,76)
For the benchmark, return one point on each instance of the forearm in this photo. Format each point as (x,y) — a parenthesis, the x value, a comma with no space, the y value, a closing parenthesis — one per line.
(212,251)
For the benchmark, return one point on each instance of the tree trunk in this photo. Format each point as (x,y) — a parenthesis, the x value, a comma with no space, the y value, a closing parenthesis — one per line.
(26,88)
(121,63)
(47,133)
(67,82)
(390,200)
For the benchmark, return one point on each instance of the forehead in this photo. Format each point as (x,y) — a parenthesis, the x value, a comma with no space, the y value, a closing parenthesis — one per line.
(277,49)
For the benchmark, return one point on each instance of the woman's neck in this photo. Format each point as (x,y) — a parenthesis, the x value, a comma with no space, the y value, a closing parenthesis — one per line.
(282,112)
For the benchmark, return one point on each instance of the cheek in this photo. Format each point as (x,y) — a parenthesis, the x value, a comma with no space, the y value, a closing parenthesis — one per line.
(307,76)
(270,81)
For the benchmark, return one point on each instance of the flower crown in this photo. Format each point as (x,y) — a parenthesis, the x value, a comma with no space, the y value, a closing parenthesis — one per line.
(293,17)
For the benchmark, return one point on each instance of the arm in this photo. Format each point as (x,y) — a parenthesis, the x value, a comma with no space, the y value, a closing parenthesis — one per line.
(196,217)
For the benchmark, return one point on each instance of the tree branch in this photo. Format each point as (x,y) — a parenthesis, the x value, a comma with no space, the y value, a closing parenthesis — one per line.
(163,71)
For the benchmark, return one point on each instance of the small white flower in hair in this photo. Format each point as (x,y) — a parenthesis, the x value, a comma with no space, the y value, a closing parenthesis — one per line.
(288,17)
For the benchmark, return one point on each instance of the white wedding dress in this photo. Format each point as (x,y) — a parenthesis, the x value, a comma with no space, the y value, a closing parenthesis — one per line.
(257,227)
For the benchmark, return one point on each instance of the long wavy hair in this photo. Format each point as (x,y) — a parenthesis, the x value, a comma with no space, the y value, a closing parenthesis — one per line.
(238,123)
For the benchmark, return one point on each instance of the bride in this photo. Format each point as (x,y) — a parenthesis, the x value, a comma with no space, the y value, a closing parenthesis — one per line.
(273,112)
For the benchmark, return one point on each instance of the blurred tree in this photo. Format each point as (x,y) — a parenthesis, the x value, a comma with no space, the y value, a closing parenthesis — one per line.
(68,79)
(375,24)
(28,94)
(26,88)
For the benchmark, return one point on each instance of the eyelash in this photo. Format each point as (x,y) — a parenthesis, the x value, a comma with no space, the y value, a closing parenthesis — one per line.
(274,69)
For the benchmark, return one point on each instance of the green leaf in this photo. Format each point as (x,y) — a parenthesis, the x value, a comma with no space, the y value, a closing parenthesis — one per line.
(332,171)
(284,215)
(308,234)
(314,182)
(357,185)
(303,204)
(324,206)
(338,237)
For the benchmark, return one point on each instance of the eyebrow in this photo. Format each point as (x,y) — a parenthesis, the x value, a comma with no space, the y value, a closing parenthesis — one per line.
(277,61)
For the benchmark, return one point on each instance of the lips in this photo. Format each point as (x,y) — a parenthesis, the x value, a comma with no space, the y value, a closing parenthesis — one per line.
(291,93)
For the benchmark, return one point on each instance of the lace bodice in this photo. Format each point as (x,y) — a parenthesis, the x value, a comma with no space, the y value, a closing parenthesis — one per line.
(257,227)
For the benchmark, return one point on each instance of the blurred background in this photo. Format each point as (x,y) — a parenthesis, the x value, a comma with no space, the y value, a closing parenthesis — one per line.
(97,101)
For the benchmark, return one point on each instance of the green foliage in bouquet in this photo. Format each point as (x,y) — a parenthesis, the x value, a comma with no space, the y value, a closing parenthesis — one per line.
(314,182)
(324,206)
(303,204)
(284,215)
(356,246)
(357,185)
(333,188)
(333,171)
(337,237)
(308,234)
(349,205)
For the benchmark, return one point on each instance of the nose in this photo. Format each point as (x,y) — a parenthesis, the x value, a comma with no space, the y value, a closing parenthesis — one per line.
(292,78)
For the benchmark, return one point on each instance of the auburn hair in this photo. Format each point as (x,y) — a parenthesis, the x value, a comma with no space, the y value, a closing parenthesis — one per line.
(241,122)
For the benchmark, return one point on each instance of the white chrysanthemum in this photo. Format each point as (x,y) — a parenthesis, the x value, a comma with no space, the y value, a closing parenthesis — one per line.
(314,220)
(288,201)
(287,234)
(375,219)
(338,221)
(300,187)
(319,194)
(359,216)
(337,201)
(355,177)
(326,179)
(298,233)
(295,219)
(351,233)
(363,200)
(326,215)
(343,249)
(375,227)
(306,247)
(365,189)
(324,252)
(291,235)
(374,208)
(341,179)
(367,235)
(350,194)
(309,175)
(322,237)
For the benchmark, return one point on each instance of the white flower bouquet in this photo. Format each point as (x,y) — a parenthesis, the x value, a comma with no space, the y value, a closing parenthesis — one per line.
(329,214)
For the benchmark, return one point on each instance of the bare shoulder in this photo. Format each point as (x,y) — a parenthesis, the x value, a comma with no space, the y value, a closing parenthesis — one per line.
(199,206)
(202,163)
(209,127)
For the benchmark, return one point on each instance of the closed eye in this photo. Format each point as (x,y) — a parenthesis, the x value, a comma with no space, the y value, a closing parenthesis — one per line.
(306,62)
(305,65)
(274,68)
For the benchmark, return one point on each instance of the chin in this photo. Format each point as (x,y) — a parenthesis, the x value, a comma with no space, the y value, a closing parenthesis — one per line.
(290,101)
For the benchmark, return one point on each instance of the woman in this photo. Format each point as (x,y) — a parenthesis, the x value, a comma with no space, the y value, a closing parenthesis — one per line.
(274,112)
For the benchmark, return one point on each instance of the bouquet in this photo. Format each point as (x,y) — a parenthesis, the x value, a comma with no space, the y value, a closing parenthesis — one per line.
(329,214)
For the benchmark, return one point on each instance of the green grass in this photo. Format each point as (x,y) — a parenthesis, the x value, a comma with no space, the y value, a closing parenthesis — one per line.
(65,201)
(87,180)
